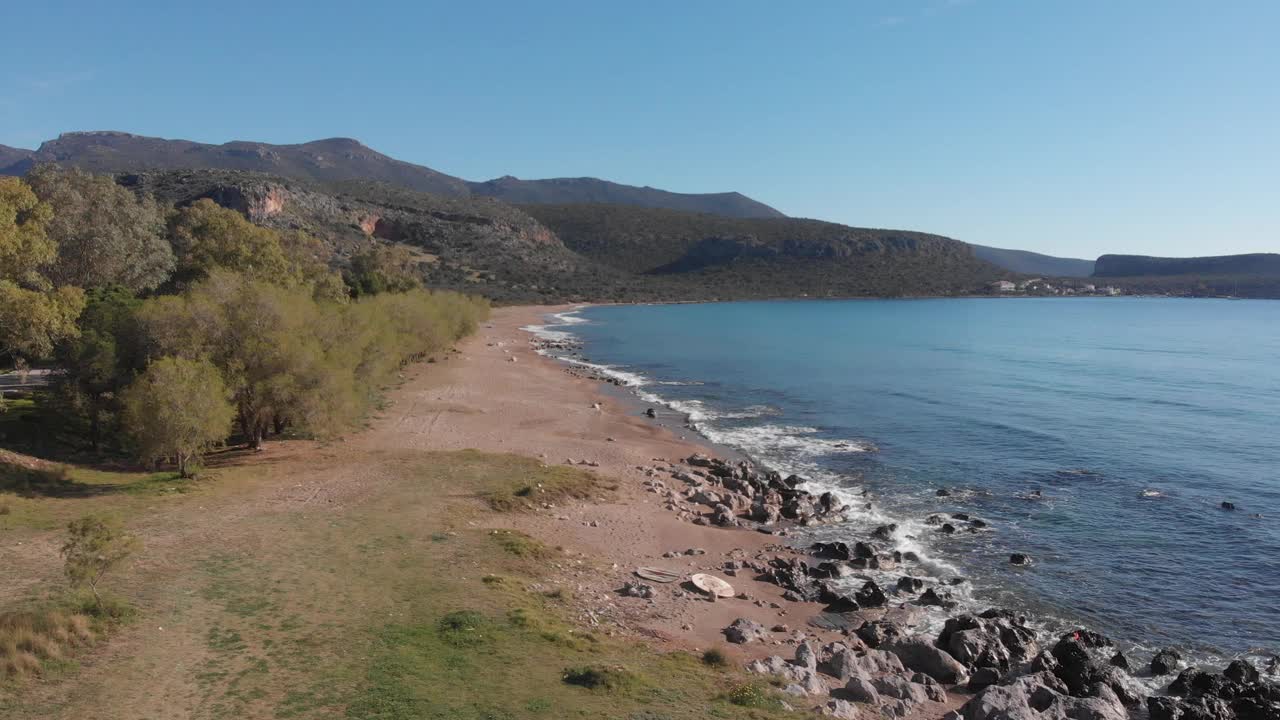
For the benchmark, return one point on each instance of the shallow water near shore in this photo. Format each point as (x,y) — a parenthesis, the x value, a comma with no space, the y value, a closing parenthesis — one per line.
(1100,436)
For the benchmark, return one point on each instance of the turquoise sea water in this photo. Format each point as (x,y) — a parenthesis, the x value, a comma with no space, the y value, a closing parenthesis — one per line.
(1133,418)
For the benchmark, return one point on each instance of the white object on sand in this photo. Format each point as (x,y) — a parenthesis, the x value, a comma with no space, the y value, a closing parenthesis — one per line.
(712,585)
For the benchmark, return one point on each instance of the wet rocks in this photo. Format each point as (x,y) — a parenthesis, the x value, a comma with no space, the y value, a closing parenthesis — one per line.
(1019,559)
(1242,672)
(870,595)
(935,598)
(875,632)
(742,631)
(1165,661)
(910,584)
(1120,661)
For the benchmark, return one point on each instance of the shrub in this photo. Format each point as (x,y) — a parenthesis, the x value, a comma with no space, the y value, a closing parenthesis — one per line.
(715,657)
(95,545)
(464,628)
(597,677)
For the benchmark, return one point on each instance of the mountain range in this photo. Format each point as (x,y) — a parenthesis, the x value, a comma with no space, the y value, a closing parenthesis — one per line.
(587,238)
(339,159)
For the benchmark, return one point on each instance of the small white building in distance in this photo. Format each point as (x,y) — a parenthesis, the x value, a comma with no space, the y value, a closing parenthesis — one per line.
(1003,286)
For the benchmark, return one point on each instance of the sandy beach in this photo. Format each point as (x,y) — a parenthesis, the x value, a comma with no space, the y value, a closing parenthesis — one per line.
(499,395)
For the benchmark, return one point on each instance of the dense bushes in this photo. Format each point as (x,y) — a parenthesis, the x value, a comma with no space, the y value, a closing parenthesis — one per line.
(290,360)
(252,329)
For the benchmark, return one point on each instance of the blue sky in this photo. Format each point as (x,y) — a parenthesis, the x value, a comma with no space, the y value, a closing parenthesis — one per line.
(1072,128)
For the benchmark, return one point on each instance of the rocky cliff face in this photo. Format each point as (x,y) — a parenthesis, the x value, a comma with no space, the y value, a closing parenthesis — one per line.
(480,245)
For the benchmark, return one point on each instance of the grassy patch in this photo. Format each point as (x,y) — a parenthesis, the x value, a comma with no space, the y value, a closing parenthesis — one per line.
(531,484)
(754,695)
(521,545)
(30,641)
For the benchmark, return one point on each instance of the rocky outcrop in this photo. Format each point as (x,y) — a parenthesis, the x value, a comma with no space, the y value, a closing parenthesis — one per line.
(1042,696)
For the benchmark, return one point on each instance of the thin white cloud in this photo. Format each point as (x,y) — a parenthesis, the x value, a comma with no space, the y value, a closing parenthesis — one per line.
(55,80)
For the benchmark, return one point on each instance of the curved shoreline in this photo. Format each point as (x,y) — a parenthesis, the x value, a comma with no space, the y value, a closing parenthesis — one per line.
(1152,683)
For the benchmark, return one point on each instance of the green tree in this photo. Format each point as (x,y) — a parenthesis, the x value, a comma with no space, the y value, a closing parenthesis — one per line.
(208,237)
(177,409)
(261,336)
(383,268)
(102,360)
(33,315)
(95,546)
(105,234)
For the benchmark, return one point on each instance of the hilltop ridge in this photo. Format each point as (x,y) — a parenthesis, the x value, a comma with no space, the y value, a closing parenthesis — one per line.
(340,159)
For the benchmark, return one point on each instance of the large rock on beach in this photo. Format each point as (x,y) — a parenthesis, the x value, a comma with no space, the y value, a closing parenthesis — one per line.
(994,639)
(917,653)
(742,631)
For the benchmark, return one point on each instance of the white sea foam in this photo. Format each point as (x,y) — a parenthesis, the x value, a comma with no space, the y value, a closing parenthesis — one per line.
(548,331)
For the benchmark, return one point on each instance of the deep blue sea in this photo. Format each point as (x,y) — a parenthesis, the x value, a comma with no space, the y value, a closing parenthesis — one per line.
(1133,418)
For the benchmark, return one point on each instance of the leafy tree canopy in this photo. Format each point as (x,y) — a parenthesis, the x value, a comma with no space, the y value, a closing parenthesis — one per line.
(177,409)
(105,234)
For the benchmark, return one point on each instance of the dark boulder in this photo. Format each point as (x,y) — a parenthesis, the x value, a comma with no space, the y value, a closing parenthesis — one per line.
(1228,505)
(1186,682)
(1019,559)
(833,550)
(1165,662)
(910,584)
(943,492)
(870,595)
(884,532)
(1120,661)
(982,678)
(877,631)
(1079,670)
(932,597)
(1242,672)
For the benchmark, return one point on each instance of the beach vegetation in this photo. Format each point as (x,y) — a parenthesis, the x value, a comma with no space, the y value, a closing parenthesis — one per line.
(598,677)
(540,485)
(95,545)
(31,640)
(177,409)
(715,657)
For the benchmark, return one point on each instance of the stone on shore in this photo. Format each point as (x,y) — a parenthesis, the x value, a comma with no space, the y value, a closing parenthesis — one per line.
(1165,661)
(743,631)
(920,655)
